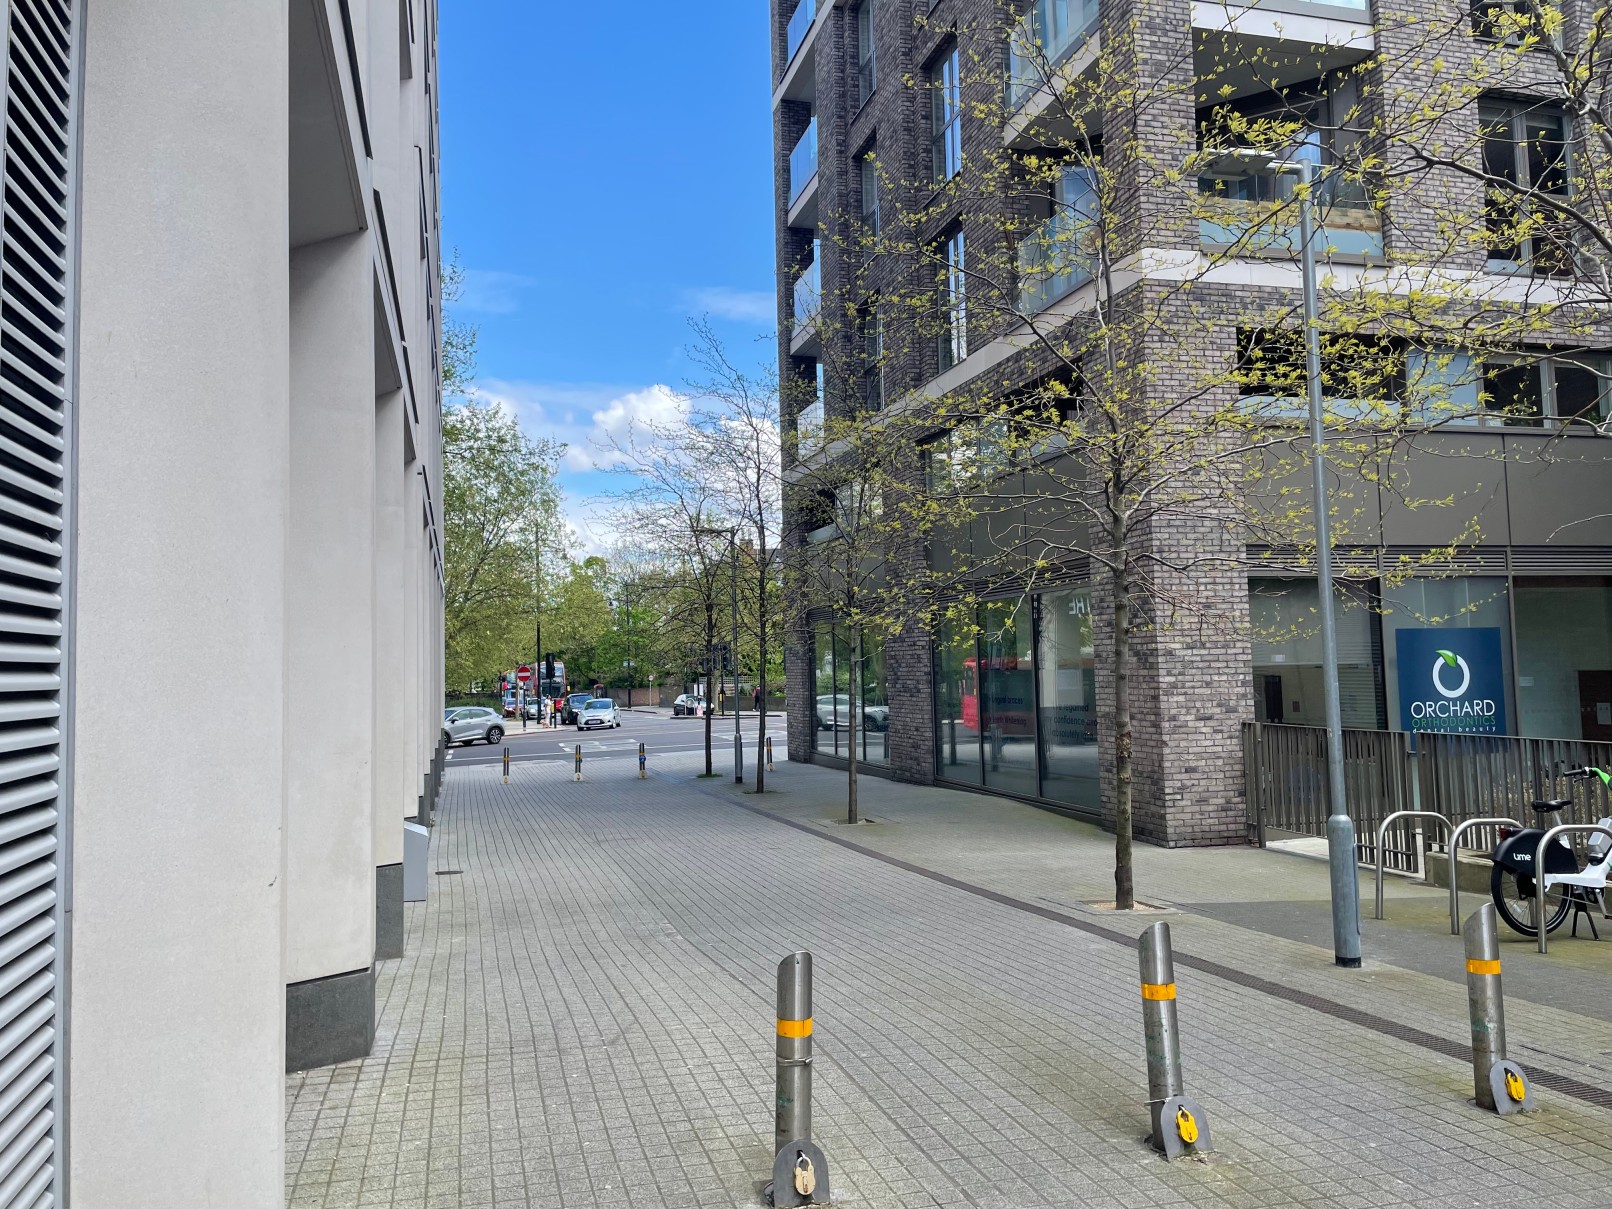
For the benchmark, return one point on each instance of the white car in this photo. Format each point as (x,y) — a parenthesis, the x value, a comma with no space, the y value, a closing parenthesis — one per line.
(688,705)
(599,713)
(471,723)
(835,710)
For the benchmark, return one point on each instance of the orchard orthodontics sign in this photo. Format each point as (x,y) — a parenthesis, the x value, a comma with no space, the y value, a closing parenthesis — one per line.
(1452,680)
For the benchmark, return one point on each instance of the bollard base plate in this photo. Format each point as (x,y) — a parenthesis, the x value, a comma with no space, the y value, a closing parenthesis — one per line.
(1503,1102)
(1167,1137)
(782,1193)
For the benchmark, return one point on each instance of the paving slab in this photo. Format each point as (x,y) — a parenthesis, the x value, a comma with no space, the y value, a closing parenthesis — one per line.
(584,1018)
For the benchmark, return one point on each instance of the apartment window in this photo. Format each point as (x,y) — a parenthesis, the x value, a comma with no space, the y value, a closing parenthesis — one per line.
(946,127)
(867,74)
(873,358)
(953,303)
(1562,389)
(1510,21)
(870,194)
(1357,371)
(1526,162)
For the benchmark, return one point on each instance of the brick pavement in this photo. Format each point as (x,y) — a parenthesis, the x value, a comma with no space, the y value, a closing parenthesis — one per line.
(584,1019)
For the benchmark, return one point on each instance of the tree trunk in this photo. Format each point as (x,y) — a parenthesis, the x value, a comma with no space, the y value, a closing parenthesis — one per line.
(710,688)
(1124,872)
(852,815)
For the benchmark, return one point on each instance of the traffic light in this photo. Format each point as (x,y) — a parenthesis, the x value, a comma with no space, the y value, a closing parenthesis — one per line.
(548,666)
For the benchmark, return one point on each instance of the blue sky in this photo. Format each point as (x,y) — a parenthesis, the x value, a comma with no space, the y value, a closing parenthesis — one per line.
(606,174)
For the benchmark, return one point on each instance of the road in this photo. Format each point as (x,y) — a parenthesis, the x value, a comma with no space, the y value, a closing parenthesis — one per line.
(663,736)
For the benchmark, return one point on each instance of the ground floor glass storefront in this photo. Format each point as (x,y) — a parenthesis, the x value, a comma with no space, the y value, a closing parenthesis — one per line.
(1015,699)
(1466,654)
(842,658)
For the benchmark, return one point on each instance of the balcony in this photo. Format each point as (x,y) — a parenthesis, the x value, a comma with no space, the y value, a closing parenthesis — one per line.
(799,24)
(1044,38)
(808,303)
(1054,259)
(809,430)
(803,180)
(1257,215)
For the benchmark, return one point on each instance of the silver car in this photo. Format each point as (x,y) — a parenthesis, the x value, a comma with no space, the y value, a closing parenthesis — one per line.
(470,724)
(601,712)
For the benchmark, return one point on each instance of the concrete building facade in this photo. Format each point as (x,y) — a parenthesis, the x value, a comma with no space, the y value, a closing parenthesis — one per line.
(1019,703)
(222,572)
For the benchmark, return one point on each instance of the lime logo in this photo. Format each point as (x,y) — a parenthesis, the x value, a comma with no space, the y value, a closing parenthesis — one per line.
(1449,659)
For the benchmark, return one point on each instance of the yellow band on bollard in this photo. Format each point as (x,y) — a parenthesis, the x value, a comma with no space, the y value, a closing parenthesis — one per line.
(795,1028)
(1158,990)
(1476,965)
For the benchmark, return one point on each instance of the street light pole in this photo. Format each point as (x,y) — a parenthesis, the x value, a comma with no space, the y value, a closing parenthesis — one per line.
(1342,859)
(733,597)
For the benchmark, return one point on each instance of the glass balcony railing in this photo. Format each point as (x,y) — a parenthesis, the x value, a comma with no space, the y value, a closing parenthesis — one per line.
(808,296)
(1054,259)
(1258,214)
(799,23)
(1043,38)
(809,429)
(803,162)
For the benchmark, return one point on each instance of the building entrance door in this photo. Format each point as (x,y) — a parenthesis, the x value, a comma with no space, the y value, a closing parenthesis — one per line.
(1595,705)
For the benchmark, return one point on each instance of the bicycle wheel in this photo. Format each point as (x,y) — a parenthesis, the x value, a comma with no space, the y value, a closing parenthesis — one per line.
(1513,895)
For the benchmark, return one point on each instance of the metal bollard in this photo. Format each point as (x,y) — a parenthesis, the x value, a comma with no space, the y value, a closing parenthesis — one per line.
(579,762)
(769,754)
(1497,1084)
(643,763)
(506,766)
(799,1169)
(1179,1125)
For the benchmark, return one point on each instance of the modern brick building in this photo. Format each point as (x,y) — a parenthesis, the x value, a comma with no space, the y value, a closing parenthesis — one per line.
(222,642)
(874,102)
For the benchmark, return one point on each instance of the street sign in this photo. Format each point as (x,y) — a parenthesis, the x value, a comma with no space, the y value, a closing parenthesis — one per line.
(523,673)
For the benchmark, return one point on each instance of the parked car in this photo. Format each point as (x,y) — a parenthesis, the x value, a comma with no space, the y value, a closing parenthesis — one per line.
(835,710)
(598,713)
(689,706)
(511,705)
(535,709)
(570,706)
(471,724)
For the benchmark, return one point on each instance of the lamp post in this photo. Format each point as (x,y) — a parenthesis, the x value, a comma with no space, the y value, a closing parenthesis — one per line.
(732,534)
(1342,860)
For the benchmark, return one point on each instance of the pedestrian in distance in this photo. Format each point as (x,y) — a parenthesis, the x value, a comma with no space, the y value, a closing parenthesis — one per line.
(755,695)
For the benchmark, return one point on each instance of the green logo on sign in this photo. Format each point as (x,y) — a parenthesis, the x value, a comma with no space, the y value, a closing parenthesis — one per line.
(1449,657)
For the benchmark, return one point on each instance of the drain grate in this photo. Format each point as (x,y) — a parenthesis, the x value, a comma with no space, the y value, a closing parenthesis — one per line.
(1600,1097)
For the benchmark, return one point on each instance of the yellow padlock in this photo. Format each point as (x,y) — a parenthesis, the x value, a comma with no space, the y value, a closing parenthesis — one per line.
(805,1176)
(1515,1088)
(1186,1126)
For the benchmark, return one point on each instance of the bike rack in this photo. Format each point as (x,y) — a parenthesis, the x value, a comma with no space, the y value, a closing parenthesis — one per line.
(1382,830)
(1539,874)
(1455,846)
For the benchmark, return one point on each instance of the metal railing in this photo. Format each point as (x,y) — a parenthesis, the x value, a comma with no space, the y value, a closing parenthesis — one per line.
(801,21)
(803,162)
(1285,768)
(1043,38)
(808,296)
(1054,259)
(1467,779)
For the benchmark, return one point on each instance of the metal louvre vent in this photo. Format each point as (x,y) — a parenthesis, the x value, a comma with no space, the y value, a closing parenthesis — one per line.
(37,233)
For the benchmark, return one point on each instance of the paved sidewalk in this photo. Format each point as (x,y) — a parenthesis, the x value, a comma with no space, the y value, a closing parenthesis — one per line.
(584,1018)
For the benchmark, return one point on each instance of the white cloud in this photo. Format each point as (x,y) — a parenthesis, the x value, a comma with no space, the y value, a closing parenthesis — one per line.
(741,306)
(492,292)
(590,419)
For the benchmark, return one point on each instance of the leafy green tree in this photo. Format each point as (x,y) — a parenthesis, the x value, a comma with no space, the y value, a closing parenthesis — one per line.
(500,499)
